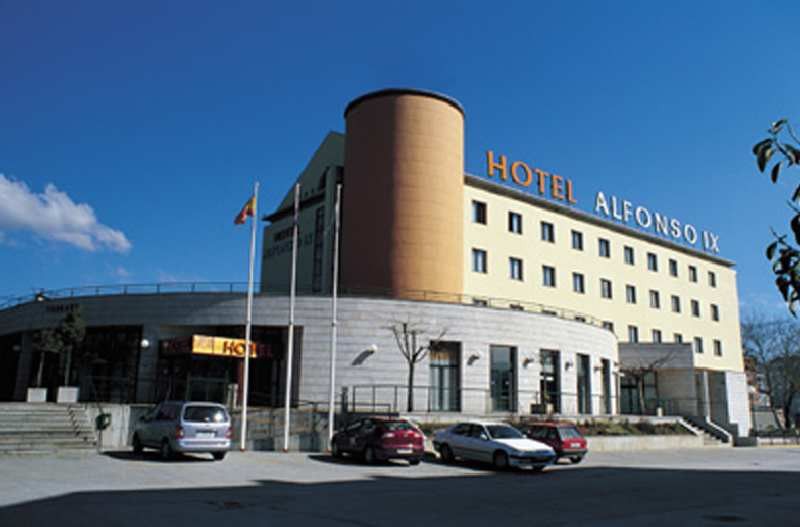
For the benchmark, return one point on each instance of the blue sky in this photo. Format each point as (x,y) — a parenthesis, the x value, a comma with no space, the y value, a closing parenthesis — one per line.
(160,115)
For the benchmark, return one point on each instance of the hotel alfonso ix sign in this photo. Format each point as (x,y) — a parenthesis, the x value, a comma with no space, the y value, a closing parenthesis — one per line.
(559,188)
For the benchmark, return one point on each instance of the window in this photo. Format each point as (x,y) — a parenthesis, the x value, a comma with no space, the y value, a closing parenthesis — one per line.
(605,288)
(655,299)
(657,336)
(673,267)
(579,318)
(577,283)
(478,212)
(607,324)
(695,308)
(516,268)
(692,273)
(652,262)
(514,223)
(698,344)
(478,260)
(480,302)
(548,276)
(630,294)
(633,334)
(677,337)
(676,304)
(604,248)
(629,256)
(712,279)
(516,307)
(548,232)
(717,348)
(577,240)
(715,312)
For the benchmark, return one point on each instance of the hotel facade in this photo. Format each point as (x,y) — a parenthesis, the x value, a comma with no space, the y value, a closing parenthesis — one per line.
(528,304)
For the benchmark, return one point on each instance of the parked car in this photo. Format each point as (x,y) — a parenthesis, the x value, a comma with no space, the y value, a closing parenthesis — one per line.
(184,426)
(500,444)
(564,438)
(374,438)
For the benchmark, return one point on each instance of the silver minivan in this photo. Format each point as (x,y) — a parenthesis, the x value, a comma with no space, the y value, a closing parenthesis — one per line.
(184,426)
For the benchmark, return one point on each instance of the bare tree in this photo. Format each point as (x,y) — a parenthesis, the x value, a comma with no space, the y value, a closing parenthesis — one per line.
(410,338)
(642,366)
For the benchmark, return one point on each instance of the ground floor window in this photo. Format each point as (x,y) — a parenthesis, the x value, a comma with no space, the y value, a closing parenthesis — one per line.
(445,378)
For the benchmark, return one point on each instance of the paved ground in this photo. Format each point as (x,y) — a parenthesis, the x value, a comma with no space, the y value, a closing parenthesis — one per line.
(755,486)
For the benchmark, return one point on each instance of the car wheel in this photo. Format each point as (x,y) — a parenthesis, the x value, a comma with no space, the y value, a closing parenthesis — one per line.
(165,450)
(335,451)
(500,460)
(137,445)
(576,459)
(218,456)
(414,461)
(369,455)
(447,454)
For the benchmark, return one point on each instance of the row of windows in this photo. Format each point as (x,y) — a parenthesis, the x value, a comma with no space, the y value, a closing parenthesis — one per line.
(479,265)
(633,336)
(548,234)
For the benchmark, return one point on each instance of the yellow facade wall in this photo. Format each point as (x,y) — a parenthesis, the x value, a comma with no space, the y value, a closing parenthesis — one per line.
(500,244)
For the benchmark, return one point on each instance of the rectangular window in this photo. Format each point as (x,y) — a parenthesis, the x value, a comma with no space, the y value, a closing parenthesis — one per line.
(657,336)
(695,308)
(607,324)
(676,304)
(577,240)
(516,268)
(478,212)
(605,288)
(698,344)
(715,312)
(516,307)
(577,283)
(673,267)
(548,232)
(633,334)
(692,273)
(478,260)
(652,262)
(677,337)
(630,294)
(515,223)
(480,302)
(548,276)
(655,299)
(604,248)
(717,348)
(630,259)
(712,279)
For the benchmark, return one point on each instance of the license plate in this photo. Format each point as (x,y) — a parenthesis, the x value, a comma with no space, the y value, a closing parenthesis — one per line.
(575,445)
(404,450)
(205,435)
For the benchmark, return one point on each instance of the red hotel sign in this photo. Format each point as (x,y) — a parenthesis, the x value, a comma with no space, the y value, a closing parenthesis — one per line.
(551,185)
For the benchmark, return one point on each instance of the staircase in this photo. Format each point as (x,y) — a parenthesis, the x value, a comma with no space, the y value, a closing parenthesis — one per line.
(712,435)
(27,428)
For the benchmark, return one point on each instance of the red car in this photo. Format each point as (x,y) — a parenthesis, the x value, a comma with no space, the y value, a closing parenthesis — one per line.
(564,438)
(377,439)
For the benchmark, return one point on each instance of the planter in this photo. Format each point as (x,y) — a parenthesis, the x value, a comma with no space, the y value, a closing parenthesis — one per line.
(37,395)
(67,394)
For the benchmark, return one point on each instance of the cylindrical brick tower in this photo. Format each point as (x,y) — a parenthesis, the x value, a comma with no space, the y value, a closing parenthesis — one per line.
(402,208)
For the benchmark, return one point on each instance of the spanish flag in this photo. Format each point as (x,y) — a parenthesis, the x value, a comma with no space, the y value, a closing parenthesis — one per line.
(249,209)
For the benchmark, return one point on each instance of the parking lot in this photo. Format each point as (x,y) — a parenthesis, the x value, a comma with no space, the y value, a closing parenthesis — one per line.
(755,486)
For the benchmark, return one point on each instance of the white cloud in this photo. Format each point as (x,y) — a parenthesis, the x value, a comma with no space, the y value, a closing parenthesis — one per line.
(121,272)
(54,216)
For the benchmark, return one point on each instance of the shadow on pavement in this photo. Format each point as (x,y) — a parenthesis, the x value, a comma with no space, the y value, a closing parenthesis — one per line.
(154,457)
(592,496)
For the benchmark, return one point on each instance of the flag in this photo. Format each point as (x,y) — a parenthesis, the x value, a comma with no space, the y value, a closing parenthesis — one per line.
(248,210)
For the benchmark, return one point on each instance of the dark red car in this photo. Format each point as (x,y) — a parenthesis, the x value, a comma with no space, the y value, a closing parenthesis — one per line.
(376,438)
(564,438)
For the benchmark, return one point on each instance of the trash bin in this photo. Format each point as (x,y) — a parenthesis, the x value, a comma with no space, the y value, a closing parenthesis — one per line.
(102,421)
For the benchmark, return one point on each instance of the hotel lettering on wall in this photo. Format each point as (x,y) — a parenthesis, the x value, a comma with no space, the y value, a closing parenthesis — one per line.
(520,173)
(625,211)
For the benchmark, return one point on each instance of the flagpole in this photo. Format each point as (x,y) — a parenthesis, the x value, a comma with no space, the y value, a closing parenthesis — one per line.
(334,297)
(288,399)
(249,317)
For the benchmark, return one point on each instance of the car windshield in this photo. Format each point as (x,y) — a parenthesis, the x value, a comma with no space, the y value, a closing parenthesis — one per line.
(397,425)
(205,414)
(503,432)
(569,433)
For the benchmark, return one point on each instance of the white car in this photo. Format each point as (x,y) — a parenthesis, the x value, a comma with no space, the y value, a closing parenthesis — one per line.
(500,444)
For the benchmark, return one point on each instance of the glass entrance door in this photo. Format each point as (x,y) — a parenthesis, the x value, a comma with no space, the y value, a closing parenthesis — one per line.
(445,385)
(503,378)
(584,385)
(549,381)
